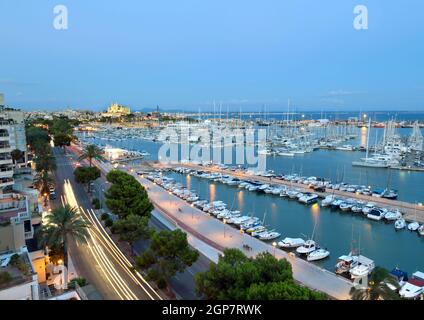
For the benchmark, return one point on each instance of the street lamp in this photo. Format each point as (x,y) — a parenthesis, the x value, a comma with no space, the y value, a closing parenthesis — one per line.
(225,224)
(274,244)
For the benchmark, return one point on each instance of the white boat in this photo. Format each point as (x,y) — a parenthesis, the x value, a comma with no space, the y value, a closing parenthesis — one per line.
(357,208)
(257,229)
(291,243)
(376,214)
(318,254)
(364,267)
(269,235)
(414,287)
(400,224)
(421,230)
(307,247)
(309,198)
(413,226)
(292,194)
(346,263)
(346,206)
(328,200)
(393,215)
(368,207)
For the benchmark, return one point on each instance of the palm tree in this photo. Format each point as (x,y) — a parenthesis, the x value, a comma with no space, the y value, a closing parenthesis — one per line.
(45,162)
(43,182)
(91,151)
(62,223)
(378,287)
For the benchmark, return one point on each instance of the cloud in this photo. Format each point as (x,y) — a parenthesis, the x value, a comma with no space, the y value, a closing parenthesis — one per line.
(340,93)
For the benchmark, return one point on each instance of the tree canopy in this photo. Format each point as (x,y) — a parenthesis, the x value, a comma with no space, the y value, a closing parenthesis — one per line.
(237,277)
(169,253)
(132,228)
(62,139)
(126,195)
(85,175)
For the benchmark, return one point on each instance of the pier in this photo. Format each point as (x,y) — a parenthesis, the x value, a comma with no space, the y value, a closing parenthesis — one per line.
(411,212)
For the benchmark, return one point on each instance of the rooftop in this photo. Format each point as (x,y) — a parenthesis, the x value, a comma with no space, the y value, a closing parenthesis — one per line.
(15,269)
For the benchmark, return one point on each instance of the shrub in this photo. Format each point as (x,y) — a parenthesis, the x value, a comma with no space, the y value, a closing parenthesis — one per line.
(96,203)
(105,216)
(5,277)
(80,281)
(108,222)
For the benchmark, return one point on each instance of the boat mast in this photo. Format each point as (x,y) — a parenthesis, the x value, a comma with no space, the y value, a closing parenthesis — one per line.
(368,138)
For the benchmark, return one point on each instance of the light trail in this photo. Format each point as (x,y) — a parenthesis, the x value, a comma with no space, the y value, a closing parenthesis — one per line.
(99,233)
(107,268)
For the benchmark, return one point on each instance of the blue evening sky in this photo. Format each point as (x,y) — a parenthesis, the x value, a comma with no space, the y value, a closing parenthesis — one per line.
(187,53)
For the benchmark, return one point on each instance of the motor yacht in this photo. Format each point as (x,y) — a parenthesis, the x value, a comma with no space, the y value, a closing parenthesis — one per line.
(345,263)
(258,229)
(336,204)
(414,287)
(368,207)
(363,268)
(292,194)
(328,200)
(400,224)
(318,254)
(393,215)
(376,214)
(308,198)
(357,208)
(346,206)
(289,243)
(413,226)
(307,247)
(269,235)
(421,230)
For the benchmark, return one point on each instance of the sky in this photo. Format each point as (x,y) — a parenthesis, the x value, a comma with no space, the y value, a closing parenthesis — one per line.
(246,55)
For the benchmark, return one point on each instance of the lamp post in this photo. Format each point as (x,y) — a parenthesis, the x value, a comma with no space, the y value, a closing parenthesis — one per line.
(225,224)
(192,211)
(274,244)
(101,189)
(45,199)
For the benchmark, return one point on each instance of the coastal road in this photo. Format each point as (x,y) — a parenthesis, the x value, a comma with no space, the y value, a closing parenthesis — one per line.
(182,283)
(99,261)
(219,236)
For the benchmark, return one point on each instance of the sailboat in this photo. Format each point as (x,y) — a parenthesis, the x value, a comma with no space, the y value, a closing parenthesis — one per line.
(377,160)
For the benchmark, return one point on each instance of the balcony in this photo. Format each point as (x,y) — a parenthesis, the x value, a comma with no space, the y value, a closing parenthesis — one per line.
(4,124)
(5,147)
(5,159)
(6,172)
(4,135)
(5,182)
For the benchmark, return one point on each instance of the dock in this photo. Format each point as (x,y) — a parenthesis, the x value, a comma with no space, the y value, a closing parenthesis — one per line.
(411,212)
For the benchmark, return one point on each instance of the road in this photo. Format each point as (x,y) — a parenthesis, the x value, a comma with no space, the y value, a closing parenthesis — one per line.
(99,261)
(182,283)
(216,234)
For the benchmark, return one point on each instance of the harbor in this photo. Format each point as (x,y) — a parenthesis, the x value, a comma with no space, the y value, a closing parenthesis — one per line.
(353,194)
